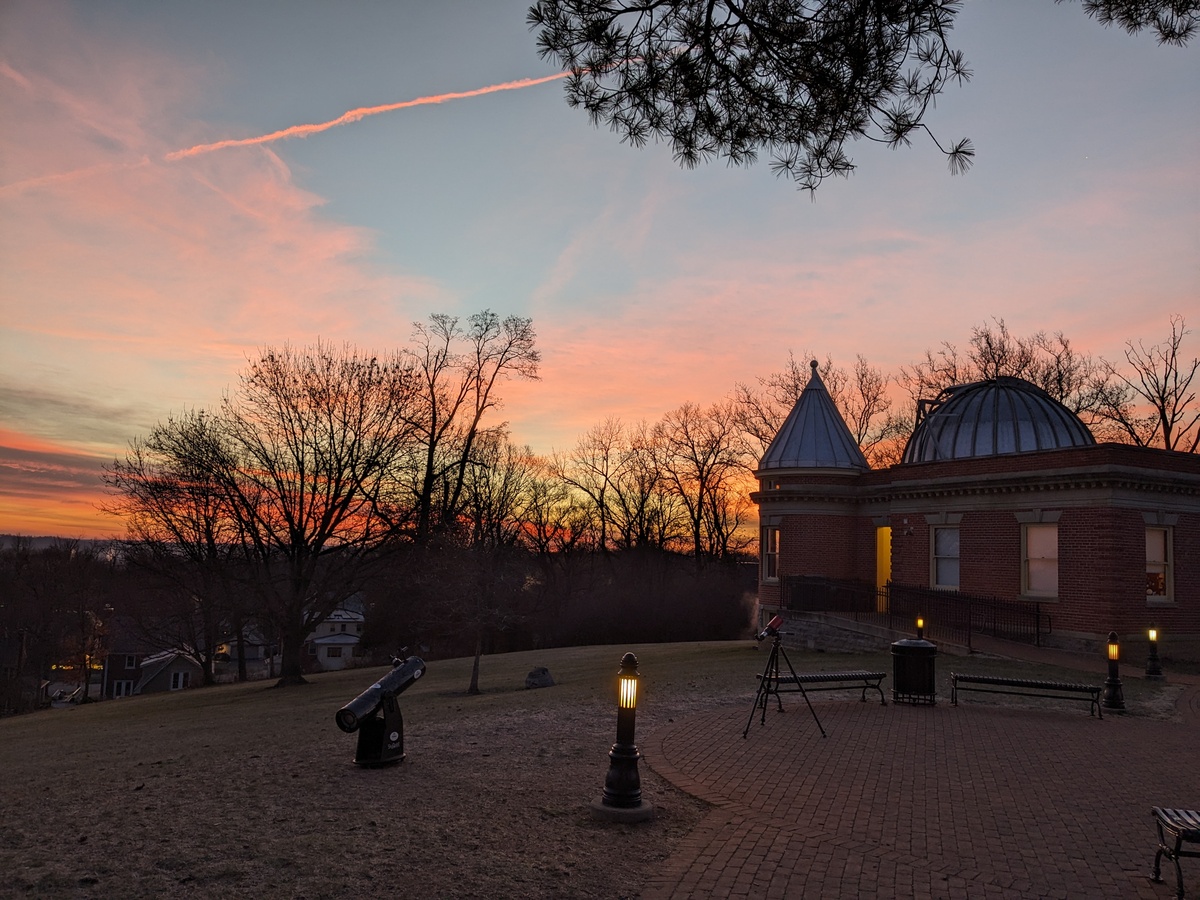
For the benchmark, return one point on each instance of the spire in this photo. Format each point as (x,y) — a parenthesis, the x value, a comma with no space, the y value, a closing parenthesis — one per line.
(814,435)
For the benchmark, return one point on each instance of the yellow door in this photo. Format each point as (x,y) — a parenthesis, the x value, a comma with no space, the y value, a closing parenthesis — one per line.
(883,559)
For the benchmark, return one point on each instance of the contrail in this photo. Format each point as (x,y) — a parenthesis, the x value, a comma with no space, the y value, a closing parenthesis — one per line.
(355,115)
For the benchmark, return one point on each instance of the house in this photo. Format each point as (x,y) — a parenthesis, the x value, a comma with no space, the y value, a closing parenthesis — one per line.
(257,650)
(169,670)
(335,643)
(1002,492)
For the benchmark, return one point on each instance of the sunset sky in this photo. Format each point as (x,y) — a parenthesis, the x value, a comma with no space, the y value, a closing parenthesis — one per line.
(163,216)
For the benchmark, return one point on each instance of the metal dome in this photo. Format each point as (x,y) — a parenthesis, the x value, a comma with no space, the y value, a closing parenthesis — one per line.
(990,418)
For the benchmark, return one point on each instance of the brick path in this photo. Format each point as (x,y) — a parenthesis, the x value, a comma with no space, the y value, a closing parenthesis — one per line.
(903,801)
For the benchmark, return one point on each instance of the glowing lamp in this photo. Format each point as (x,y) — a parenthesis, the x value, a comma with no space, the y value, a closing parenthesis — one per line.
(1154,670)
(920,627)
(627,691)
(1114,694)
(622,798)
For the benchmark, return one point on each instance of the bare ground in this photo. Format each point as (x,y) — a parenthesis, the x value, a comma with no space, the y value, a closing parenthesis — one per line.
(250,791)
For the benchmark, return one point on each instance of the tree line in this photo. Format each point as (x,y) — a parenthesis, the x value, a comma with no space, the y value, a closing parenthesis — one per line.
(328,474)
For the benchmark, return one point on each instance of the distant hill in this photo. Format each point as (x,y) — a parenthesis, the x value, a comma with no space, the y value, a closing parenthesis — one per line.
(43,542)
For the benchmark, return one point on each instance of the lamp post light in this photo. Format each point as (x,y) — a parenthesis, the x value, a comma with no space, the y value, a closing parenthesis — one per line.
(920,628)
(1114,696)
(622,798)
(1154,670)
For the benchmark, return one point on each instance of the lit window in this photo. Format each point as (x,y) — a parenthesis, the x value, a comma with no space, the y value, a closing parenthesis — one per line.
(945,558)
(1039,556)
(1158,563)
(770,553)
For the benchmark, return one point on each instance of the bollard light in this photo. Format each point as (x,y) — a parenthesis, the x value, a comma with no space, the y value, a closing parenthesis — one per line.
(1154,670)
(1114,696)
(622,798)
(920,628)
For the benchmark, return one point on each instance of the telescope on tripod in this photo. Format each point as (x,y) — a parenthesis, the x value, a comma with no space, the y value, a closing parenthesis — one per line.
(768,681)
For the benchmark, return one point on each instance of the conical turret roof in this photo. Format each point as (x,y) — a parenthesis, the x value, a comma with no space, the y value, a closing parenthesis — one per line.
(814,435)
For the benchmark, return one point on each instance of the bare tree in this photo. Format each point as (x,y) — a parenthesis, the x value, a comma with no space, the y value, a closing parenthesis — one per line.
(1156,405)
(459,368)
(1077,381)
(591,467)
(699,460)
(182,530)
(299,457)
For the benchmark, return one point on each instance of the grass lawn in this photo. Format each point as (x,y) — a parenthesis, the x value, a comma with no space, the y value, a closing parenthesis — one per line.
(246,790)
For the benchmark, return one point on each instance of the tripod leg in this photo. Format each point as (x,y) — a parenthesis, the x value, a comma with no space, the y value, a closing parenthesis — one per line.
(768,682)
(803,692)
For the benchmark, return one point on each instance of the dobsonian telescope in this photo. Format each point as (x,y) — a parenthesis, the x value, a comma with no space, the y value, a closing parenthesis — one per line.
(376,717)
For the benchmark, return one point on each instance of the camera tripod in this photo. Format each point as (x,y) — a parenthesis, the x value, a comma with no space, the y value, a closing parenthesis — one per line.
(768,684)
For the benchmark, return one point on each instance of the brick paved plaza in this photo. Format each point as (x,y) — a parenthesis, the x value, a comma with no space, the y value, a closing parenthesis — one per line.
(978,800)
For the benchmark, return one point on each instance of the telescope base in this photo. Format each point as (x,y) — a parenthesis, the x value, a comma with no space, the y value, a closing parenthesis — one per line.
(381,739)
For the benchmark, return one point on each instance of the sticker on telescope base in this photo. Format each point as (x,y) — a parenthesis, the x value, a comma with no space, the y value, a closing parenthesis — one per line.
(394,736)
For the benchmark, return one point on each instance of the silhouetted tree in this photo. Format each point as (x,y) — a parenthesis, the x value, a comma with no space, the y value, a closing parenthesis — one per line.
(458,368)
(1156,405)
(299,460)
(700,462)
(798,79)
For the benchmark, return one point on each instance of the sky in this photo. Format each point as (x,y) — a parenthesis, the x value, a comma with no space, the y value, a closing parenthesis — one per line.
(164,216)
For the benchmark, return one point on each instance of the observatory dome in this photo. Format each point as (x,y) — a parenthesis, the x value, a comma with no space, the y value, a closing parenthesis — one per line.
(991,418)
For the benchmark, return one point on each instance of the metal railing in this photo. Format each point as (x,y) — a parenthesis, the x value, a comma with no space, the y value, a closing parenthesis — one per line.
(949,615)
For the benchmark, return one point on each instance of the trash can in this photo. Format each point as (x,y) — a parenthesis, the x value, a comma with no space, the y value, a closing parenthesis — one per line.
(914,671)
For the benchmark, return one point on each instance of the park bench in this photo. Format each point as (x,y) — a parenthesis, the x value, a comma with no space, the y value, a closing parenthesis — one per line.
(832,681)
(1176,827)
(1024,687)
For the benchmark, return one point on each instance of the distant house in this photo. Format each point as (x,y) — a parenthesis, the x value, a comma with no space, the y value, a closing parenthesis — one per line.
(335,643)
(136,665)
(256,648)
(170,670)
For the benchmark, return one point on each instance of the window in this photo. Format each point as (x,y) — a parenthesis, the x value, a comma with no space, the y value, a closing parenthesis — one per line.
(343,626)
(180,680)
(770,553)
(1039,560)
(945,558)
(312,649)
(333,652)
(1158,563)
(131,662)
(122,688)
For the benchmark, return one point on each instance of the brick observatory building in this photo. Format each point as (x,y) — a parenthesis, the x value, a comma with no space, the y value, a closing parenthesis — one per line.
(1002,492)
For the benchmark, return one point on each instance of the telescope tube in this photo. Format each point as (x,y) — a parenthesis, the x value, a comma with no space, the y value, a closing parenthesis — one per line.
(400,679)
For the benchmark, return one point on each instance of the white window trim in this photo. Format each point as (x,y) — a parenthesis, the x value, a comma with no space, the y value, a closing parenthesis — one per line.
(1167,599)
(1025,589)
(933,557)
(767,554)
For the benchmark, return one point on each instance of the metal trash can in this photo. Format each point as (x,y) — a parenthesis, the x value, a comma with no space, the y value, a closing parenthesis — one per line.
(914,671)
